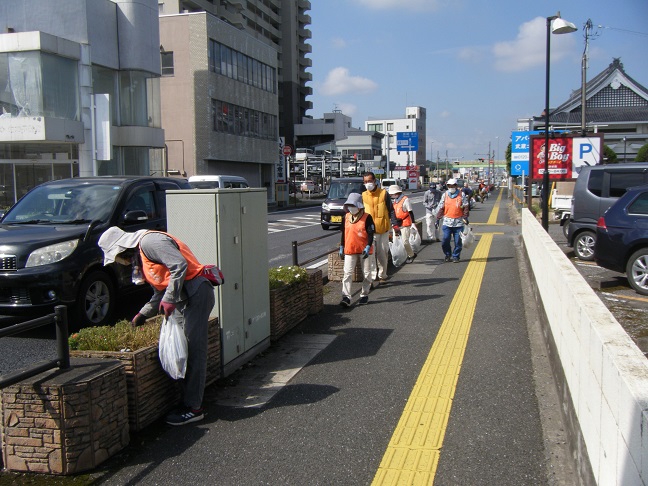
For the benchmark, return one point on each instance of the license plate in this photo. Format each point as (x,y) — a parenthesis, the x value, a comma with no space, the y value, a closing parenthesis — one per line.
(336,219)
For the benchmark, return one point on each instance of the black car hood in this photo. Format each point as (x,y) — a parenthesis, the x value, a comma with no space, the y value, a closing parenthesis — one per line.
(22,239)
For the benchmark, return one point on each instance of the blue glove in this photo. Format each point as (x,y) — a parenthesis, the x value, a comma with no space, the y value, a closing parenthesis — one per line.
(341,252)
(365,252)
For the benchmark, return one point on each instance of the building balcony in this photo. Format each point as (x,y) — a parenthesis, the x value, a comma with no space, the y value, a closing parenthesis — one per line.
(305,62)
(237,4)
(305,76)
(305,33)
(305,48)
(305,4)
(306,90)
(304,19)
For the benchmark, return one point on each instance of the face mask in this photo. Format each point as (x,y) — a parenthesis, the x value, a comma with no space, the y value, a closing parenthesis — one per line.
(452,190)
(370,186)
(353,210)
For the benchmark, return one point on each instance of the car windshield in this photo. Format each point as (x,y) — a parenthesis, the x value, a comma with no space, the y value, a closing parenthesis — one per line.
(341,190)
(65,203)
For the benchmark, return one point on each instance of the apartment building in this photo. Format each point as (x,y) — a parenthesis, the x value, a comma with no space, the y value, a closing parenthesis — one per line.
(77,98)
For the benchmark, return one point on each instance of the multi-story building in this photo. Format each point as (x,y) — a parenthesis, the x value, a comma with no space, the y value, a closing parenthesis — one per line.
(77,98)
(219,99)
(281,25)
(414,122)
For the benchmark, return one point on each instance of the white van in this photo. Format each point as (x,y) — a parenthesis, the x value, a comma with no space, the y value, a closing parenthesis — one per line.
(217,182)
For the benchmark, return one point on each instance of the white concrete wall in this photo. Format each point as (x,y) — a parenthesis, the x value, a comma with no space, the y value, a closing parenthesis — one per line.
(606,373)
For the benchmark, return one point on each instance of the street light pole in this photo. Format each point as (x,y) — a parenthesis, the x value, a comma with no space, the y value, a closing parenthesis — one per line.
(588,26)
(561,27)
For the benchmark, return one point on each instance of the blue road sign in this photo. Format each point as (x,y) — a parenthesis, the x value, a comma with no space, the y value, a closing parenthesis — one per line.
(407,141)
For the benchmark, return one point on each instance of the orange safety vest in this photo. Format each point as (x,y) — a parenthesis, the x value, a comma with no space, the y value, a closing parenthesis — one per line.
(452,208)
(374,203)
(401,213)
(355,235)
(158,275)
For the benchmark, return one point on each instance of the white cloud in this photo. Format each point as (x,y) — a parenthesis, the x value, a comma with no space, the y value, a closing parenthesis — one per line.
(338,43)
(339,81)
(529,48)
(417,5)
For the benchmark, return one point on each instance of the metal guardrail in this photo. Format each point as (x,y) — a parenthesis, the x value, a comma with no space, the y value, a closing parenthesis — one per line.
(59,318)
(296,244)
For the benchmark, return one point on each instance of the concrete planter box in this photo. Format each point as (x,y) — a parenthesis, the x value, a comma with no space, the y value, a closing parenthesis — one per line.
(151,393)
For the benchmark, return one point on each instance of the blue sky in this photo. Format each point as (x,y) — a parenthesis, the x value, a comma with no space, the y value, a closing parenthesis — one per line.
(475,65)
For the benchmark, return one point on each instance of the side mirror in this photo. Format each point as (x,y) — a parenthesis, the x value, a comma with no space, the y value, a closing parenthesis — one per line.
(134,217)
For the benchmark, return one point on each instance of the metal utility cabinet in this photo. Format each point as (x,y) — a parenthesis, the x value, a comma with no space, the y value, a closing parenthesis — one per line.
(227,227)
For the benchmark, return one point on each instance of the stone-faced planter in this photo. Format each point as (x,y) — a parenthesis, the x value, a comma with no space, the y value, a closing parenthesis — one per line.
(288,307)
(65,421)
(151,393)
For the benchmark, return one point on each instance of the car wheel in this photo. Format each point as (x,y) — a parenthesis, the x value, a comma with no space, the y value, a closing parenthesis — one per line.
(96,300)
(566,230)
(584,246)
(637,271)
(325,226)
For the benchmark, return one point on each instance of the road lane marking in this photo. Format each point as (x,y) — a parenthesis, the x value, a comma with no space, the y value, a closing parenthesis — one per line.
(412,456)
(495,212)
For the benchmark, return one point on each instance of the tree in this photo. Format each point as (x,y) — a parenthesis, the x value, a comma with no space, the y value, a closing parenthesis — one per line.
(508,159)
(642,155)
(609,155)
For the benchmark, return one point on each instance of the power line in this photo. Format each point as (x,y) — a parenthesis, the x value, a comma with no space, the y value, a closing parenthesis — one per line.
(623,30)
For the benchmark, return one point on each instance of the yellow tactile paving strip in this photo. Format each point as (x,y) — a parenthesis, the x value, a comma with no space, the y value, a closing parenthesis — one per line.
(412,456)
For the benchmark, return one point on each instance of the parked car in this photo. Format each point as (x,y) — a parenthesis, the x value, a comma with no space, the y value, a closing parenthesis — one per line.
(386,182)
(333,206)
(622,238)
(49,245)
(596,189)
(217,182)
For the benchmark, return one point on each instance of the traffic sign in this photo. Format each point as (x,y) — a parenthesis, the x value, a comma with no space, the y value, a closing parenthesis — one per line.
(407,141)
(287,150)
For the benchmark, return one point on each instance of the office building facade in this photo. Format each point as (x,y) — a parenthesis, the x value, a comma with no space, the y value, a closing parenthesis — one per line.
(77,98)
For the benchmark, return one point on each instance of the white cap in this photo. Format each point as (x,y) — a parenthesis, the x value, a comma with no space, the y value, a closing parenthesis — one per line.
(394,189)
(451,182)
(115,240)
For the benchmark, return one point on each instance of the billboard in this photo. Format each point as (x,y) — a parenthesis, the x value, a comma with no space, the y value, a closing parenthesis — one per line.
(567,154)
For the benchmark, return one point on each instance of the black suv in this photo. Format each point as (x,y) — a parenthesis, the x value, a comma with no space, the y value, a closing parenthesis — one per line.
(333,206)
(48,244)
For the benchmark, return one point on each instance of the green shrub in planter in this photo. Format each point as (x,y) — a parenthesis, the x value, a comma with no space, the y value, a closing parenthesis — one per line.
(120,337)
(282,276)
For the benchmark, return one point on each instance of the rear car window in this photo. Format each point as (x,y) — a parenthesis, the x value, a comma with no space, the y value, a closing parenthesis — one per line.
(640,205)
(595,183)
(619,182)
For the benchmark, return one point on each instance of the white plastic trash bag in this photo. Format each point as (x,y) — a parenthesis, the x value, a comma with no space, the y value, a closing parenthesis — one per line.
(398,252)
(173,348)
(415,239)
(467,236)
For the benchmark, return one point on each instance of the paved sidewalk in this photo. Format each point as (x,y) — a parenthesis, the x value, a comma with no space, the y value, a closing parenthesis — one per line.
(439,377)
